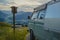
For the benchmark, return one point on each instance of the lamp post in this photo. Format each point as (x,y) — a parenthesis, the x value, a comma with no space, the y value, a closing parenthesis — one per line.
(14,11)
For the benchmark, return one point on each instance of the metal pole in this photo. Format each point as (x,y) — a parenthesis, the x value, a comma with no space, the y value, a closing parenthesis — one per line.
(14,25)
(14,22)
(14,11)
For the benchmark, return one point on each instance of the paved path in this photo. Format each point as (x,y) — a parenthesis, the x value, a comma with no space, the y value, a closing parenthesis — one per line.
(28,36)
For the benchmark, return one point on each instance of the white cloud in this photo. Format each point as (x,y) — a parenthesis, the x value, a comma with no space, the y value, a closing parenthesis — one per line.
(26,5)
(30,2)
(3,7)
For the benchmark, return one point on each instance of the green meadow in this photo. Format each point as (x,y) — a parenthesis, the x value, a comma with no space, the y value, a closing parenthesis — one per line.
(6,32)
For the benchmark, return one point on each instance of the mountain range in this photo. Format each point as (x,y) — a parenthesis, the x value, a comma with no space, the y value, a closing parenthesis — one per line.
(2,16)
(6,16)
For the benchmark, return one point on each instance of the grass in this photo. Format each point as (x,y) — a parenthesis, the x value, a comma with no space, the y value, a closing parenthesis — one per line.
(6,32)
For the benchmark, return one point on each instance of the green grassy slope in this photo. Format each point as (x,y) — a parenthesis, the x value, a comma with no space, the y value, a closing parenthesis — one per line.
(6,32)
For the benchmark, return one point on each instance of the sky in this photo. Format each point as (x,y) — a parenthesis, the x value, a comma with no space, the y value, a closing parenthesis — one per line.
(25,5)
(28,5)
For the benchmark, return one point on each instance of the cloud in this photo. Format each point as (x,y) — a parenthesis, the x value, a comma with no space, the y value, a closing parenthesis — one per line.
(30,2)
(22,4)
(4,7)
(26,2)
